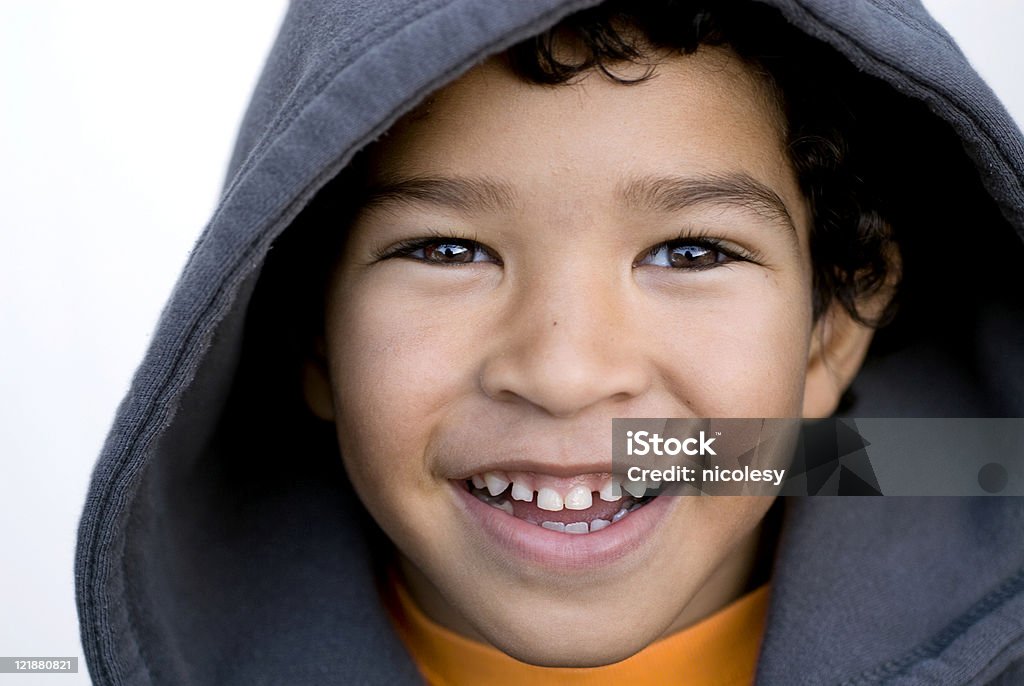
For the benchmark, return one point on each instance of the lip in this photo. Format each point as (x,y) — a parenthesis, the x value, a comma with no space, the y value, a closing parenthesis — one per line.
(565,552)
(565,469)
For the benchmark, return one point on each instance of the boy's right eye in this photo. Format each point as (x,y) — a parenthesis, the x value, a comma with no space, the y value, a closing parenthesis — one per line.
(444,251)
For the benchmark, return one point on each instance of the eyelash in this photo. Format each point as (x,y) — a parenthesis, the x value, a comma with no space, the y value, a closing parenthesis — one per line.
(408,248)
(701,241)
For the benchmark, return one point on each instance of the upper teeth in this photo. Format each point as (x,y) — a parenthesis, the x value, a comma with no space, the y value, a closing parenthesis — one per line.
(496,483)
(635,488)
(578,498)
(549,499)
(554,494)
(521,492)
(609,492)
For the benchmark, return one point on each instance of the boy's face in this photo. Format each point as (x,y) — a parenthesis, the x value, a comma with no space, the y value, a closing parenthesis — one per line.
(535,262)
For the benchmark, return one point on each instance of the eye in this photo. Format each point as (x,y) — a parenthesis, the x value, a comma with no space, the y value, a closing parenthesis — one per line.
(688,254)
(444,251)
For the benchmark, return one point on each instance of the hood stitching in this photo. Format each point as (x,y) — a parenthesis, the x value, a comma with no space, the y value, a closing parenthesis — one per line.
(1010,588)
(319,81)
(899,13)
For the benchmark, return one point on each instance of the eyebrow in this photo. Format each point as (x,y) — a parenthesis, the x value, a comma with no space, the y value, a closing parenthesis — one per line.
(676,193)
(458,193)
(653,193)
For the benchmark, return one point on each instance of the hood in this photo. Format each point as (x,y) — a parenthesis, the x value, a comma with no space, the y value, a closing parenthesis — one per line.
(218,546)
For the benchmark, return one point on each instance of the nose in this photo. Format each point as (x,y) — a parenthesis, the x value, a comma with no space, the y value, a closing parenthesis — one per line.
(567,346)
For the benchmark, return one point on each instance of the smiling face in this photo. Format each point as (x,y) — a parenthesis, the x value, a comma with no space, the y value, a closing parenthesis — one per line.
(531,263)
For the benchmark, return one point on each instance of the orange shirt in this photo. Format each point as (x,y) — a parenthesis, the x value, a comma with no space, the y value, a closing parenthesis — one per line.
(720,650)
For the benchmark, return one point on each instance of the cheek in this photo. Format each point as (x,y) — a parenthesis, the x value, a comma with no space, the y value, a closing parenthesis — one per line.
(742,353)
(396,367)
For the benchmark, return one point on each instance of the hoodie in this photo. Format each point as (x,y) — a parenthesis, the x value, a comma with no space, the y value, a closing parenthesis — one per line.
(218,547)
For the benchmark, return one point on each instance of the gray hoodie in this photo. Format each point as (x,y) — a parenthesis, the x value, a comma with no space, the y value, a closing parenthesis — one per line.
(218,547)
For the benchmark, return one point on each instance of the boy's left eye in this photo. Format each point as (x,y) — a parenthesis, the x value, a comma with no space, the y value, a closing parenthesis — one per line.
(687,254)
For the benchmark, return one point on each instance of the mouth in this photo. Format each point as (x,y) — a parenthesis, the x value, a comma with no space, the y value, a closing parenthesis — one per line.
(582,504)
(567,524)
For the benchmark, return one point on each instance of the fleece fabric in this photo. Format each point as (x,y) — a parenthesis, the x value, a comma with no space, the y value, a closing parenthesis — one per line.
(217,546)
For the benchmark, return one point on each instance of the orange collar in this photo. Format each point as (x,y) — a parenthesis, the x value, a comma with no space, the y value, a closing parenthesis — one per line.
(720,650)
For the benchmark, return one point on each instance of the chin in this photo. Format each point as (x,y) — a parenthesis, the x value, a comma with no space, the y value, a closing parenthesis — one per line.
(571,647)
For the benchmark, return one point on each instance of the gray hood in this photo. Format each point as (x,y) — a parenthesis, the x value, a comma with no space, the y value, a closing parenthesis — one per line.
(218,548)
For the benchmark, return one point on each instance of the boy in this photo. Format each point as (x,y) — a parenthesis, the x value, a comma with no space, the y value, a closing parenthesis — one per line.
(649,211)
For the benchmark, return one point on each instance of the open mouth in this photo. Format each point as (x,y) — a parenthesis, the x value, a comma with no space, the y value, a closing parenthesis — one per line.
(584,504)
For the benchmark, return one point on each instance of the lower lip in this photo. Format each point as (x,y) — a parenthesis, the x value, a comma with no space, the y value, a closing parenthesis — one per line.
(562,551)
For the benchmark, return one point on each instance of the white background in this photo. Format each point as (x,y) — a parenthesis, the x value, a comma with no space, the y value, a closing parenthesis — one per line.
(116,123)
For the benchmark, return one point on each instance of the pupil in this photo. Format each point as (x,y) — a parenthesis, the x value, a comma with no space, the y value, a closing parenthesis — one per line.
(691,255)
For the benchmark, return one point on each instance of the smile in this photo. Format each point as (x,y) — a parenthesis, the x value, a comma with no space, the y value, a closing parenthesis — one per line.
(584,504)
(572,524)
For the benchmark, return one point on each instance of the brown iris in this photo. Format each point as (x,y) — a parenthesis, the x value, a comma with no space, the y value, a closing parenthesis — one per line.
(692,256)
(448,253)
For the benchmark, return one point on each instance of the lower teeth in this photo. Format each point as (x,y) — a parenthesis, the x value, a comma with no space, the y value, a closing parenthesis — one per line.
(505,507)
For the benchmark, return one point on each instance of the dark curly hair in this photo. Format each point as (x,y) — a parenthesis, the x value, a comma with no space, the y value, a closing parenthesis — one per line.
(832,153)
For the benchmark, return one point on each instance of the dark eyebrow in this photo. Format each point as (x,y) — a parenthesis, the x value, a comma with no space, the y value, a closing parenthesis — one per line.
(458,193)
(673,194)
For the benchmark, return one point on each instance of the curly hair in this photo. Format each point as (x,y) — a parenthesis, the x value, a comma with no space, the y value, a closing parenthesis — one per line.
(832,154)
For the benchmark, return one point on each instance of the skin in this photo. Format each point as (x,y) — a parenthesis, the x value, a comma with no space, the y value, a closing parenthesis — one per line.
(564,322)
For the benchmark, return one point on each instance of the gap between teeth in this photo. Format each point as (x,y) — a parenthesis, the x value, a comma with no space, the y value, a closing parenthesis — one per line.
(493,489)
(577,497)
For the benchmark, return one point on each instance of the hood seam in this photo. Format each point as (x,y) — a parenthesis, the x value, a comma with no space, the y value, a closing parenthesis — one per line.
(1010,588)
(938,37)
(320,80)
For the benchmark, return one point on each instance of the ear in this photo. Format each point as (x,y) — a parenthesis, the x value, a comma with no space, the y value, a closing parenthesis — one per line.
(838,347)
(839,343)
(316,383)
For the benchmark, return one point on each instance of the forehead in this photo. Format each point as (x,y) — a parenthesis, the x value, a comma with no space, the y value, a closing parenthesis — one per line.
(706,113)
